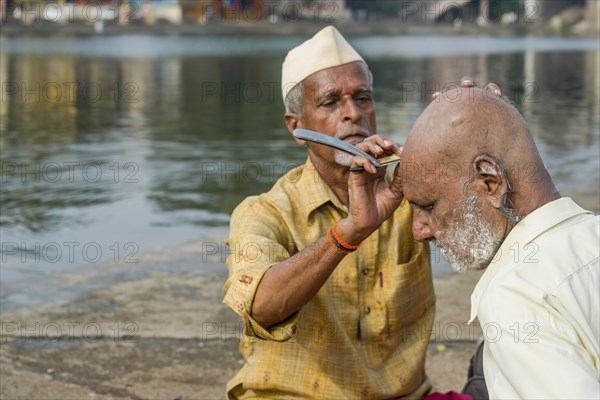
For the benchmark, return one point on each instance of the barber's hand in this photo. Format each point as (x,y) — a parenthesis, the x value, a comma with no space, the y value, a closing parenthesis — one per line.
(468,82)
(372,198)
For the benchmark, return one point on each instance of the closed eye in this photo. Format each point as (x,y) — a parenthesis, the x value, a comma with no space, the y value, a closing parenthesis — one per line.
(426,207)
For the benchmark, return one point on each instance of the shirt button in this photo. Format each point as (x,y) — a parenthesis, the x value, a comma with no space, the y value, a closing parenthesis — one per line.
(365,271)
(367,310)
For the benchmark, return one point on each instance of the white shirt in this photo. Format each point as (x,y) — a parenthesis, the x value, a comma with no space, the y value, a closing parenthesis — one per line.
(538,305)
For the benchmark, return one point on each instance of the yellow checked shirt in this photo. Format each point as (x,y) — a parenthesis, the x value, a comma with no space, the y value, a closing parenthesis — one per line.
(365,333)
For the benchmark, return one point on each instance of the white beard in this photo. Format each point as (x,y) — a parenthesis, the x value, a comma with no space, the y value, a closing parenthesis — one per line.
(342,158)
(471,241)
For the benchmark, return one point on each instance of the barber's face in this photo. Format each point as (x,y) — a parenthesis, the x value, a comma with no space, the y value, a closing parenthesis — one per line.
(339,102)
(457,225)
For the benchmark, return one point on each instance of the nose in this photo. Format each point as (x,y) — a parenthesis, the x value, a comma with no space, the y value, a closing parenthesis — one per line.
(421,231)
(351,111)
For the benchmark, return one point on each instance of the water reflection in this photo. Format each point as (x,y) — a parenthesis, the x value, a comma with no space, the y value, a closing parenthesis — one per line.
(557,93)
(160,149)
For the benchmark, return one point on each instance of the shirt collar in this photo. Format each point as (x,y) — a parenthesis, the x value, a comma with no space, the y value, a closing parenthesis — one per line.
(526,231)
(316,190)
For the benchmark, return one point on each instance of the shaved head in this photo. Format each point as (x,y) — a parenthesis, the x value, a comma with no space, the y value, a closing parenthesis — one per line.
(471,170)
(468,122)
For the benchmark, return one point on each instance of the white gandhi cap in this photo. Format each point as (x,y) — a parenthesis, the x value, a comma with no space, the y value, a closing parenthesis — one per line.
(326,49)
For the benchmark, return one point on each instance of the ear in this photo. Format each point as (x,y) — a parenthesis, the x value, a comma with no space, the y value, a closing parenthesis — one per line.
(490,181)
(292,122)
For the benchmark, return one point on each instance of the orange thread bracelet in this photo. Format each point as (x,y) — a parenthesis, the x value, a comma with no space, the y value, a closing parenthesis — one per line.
(336,241)
(342,242)
(335,244)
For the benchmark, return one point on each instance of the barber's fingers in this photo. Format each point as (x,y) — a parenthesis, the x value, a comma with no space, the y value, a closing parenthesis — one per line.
(378,145)
(494,88)
(396,184)
(359,161)
(467,82)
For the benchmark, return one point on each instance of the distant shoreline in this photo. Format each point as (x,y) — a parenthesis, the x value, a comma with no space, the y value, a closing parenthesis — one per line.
(376,46)
(13,28)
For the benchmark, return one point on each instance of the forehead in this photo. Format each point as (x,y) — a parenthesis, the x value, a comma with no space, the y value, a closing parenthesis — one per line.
(416,185)
(420,164)
(346,77)
(424,181)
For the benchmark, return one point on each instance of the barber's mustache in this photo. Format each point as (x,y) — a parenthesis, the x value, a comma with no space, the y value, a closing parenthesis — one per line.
(353,131)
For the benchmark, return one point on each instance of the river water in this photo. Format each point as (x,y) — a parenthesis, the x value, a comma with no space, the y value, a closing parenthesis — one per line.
(113,148)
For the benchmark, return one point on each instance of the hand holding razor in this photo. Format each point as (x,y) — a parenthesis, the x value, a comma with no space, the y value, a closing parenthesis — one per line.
(316,137)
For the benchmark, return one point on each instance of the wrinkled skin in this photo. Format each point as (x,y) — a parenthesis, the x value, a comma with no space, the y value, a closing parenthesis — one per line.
(472,145)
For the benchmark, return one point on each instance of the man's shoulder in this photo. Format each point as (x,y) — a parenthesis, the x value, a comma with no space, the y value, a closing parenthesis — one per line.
(565,256)
(575,239)
(562,252)
(554,254)
(277,199)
